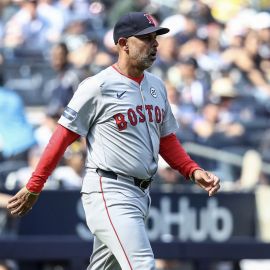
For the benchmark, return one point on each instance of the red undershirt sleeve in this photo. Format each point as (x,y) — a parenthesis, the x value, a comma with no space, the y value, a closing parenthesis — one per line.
(60,140)
(174,154)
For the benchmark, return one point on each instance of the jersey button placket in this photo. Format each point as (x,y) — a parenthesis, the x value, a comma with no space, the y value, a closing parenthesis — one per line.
(144,98)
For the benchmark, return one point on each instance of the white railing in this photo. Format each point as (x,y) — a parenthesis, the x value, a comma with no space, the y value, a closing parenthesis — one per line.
(221,155)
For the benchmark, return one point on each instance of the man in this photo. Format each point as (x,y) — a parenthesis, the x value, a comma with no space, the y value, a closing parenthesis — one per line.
(59,90)
(13,121)
(124,114)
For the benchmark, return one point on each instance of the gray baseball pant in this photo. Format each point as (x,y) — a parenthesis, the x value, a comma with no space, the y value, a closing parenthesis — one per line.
(116,217)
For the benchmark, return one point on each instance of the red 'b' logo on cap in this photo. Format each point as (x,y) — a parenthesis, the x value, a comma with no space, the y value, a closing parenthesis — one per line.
(150,19)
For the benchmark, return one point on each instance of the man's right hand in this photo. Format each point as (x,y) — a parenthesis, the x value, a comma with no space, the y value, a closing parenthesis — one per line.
(22,202)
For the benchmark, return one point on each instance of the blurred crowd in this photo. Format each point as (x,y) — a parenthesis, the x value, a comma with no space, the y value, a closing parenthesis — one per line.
(215,62)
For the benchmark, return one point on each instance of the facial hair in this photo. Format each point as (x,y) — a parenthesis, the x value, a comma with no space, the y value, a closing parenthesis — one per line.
(144,61)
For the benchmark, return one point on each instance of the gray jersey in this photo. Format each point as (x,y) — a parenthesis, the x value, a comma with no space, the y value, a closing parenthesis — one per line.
(122,120)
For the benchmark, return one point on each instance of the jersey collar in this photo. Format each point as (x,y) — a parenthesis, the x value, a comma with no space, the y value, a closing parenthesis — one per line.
(136,79)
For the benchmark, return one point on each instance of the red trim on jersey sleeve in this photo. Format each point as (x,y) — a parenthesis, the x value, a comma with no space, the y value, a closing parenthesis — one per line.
(174,154)
(137,80)
(60,140)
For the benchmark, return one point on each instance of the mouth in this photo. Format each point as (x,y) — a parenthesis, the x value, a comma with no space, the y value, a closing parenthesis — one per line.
(153,54)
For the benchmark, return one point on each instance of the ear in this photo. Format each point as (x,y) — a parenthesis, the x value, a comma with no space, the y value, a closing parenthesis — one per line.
(123,43)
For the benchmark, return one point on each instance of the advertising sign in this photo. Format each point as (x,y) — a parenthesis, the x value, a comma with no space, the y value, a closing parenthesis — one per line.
(174,217)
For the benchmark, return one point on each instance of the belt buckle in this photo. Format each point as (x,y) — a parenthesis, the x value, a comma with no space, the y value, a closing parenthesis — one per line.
(144,184)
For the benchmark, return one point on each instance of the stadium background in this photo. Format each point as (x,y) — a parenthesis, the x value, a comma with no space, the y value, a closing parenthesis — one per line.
(216,65)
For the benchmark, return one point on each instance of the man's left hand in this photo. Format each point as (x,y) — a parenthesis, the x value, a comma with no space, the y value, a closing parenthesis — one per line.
(22,202)
(207,181)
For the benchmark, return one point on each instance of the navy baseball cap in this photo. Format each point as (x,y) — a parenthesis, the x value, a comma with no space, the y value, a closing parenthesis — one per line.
(136,24)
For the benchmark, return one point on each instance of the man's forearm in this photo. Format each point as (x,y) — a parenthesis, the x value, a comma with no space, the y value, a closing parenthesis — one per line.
(174,154)
(60,140)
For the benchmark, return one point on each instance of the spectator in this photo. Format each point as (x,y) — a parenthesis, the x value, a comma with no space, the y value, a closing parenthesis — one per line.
(75,34)
(192,90)
(109,45)
(218,126)
(16,134)
(167,55)
(167,175)
(59,90)
(182,114)
(174,99)
(70,174)
(73,8)
(245,59)
(26,28)
(46,127)
(101,60)
(218,120)
(18,178)
(54,19)
(84,55)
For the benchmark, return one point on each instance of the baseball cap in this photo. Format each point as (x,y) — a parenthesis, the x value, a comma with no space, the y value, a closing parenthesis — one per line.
(136,24)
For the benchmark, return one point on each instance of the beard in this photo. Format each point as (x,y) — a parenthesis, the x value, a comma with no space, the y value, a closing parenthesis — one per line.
(143,60)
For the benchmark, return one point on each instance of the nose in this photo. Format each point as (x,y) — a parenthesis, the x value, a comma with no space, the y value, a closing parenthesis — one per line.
(155,43)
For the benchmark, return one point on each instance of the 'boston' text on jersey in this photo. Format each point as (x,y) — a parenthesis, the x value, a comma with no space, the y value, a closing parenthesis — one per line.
(135,116)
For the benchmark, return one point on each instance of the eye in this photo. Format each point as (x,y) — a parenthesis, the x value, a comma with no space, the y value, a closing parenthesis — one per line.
(144,37)
(147,37)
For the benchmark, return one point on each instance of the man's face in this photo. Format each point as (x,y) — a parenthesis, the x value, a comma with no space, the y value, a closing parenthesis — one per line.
(58,58)
(142,50)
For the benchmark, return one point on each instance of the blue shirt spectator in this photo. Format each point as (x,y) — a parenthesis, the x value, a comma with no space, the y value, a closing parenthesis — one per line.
(16,134)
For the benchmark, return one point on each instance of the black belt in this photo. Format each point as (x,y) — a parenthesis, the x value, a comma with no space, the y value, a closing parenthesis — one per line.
(141,183)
